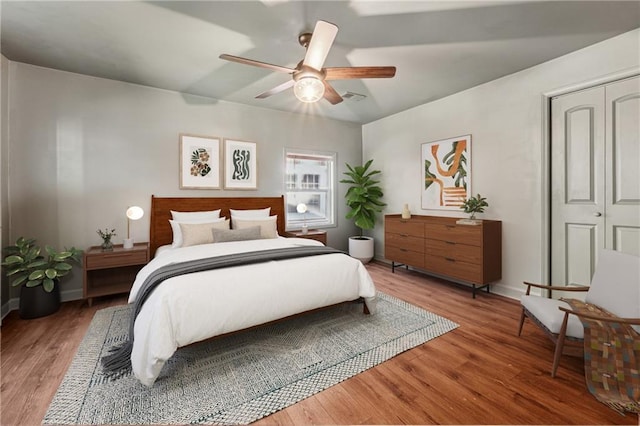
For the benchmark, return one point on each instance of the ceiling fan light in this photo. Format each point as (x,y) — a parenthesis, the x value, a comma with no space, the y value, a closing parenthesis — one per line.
(309,89)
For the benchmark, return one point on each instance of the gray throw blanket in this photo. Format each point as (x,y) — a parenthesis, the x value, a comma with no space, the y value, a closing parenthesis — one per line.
(119,360)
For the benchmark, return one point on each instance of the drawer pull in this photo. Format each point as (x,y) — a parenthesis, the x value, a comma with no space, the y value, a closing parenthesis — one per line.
(403,249)
(450,226)
(449,259)
(404,235)
(450,243)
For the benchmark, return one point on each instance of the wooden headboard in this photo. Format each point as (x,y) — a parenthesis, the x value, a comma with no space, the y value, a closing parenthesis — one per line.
(160,231)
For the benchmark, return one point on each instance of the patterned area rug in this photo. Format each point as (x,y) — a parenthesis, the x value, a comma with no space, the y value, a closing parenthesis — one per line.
(243,377)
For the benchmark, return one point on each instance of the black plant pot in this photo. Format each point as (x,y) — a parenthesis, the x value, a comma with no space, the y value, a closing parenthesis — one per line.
(35,302)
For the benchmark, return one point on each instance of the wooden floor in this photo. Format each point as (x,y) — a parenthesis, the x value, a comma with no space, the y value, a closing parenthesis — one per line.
(480,373)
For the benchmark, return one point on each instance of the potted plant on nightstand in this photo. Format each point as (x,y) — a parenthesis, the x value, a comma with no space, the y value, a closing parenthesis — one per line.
(363,199)
(38,275)
(472,206)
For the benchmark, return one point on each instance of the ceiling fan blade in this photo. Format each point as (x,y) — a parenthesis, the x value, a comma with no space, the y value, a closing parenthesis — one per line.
(330,94)
(344,73)
(321,41)
(256,63)
(277,89)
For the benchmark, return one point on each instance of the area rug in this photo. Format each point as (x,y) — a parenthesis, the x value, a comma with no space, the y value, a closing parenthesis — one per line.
(239,378)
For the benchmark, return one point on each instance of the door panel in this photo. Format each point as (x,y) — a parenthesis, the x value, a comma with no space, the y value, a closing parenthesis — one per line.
(595,178)
(577,185)
(623,173)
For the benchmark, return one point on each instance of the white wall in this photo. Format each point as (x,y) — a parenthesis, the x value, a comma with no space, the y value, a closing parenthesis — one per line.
(82,149)
(505,119)
(4,143)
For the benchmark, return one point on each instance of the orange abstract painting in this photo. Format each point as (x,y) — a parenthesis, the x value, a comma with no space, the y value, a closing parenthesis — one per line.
(446,173)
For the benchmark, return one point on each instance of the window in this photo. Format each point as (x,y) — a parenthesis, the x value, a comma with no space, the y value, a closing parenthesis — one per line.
(310,179)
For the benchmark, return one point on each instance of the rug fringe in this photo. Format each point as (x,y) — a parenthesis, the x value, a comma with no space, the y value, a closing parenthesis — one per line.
(118,360)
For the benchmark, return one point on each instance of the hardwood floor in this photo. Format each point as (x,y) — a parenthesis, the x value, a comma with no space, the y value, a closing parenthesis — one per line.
(480,373)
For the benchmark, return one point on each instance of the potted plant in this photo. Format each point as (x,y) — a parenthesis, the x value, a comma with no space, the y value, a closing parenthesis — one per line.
(363,199)
(472,206)
(106,235)
(39,275)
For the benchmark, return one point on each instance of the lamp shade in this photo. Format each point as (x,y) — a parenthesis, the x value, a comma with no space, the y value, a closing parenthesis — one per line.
(309,89)
(301,208)
(134,213)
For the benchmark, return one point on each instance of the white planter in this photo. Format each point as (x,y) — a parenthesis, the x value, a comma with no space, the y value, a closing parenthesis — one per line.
(361,248)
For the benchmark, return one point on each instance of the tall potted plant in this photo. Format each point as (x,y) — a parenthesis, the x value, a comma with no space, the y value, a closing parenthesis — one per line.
(39,275)
(363,199)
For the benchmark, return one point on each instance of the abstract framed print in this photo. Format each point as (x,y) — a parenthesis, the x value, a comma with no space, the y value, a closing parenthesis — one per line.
(240,165)
(199,162)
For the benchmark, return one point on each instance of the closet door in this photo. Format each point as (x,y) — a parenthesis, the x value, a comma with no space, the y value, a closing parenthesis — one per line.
(622,207)
(595,178)
(577,185)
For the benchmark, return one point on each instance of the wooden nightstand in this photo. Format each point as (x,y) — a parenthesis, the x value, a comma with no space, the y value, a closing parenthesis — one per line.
(112,272)
(312,234)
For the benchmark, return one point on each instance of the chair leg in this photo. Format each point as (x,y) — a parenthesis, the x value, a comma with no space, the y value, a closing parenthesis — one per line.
(522,316)
(559,344)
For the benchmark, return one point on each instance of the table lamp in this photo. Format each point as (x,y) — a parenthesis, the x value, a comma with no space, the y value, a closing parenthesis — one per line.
(302,209)
(133,213)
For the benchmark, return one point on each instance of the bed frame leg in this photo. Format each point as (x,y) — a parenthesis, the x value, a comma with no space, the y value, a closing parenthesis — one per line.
(365,310)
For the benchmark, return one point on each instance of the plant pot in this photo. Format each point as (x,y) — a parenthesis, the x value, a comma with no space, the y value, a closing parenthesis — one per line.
(361,248)
(35,302)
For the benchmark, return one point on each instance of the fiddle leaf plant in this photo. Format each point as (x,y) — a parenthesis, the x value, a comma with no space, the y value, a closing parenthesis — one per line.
(363,196)
(25,264)
(474,205)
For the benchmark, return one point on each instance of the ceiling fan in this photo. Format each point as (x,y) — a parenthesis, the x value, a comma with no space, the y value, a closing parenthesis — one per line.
(309,78)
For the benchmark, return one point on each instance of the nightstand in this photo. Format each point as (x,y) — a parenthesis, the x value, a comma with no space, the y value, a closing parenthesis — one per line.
(312,234)
(112,272)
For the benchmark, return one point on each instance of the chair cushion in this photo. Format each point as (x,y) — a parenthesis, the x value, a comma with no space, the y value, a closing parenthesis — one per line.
(548,313)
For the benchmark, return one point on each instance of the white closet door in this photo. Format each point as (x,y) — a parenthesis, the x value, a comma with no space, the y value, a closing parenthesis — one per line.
(595,178)
(623,166)
(577,185)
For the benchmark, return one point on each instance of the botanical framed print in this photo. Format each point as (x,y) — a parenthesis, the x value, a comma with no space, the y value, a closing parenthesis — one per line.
(446,173)
(199,162)
(240,165)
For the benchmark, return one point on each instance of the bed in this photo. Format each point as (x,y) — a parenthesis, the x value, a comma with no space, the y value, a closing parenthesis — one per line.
(189,308)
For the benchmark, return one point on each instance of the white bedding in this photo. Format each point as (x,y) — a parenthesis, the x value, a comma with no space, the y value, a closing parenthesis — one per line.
(194,307)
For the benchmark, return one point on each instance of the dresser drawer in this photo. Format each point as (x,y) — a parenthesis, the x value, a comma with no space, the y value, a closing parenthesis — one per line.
(457,251)
(454,268)
(404,227)
(403,241)
(464,234)
(116,259)
(402,255)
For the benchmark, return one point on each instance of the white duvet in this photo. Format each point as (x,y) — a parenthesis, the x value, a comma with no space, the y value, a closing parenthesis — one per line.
(194,307)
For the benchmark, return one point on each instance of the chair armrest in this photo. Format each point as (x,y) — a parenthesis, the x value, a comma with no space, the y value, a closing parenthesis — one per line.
(632,321)
(552,287)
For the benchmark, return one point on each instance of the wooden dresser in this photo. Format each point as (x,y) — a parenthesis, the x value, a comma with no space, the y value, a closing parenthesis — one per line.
(469,254)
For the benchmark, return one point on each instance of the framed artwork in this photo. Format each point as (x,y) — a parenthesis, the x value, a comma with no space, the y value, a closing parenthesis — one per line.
(240,165)
(446,173)
(199,162)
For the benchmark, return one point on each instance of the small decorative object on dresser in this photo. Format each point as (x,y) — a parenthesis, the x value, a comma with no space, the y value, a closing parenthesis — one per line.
(106,235)
(473,205)
(406,213)
(466,254)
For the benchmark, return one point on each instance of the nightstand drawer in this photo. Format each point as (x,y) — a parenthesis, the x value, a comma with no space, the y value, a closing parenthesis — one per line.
(116,259)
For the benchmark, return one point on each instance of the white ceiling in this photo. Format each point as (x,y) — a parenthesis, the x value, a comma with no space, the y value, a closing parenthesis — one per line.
(438,47)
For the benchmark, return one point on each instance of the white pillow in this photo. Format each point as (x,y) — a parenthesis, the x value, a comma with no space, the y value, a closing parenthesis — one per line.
(177,232)
(250,214)
(184,216)
(268,225)
(200,233)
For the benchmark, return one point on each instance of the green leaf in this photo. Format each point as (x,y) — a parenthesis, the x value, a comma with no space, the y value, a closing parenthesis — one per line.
(12,260)
(63,267)
(33,283)
(48,285)
(51,273)
(36,275)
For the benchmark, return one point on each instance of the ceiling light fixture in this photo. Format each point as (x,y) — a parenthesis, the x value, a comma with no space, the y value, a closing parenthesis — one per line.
(309,89)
